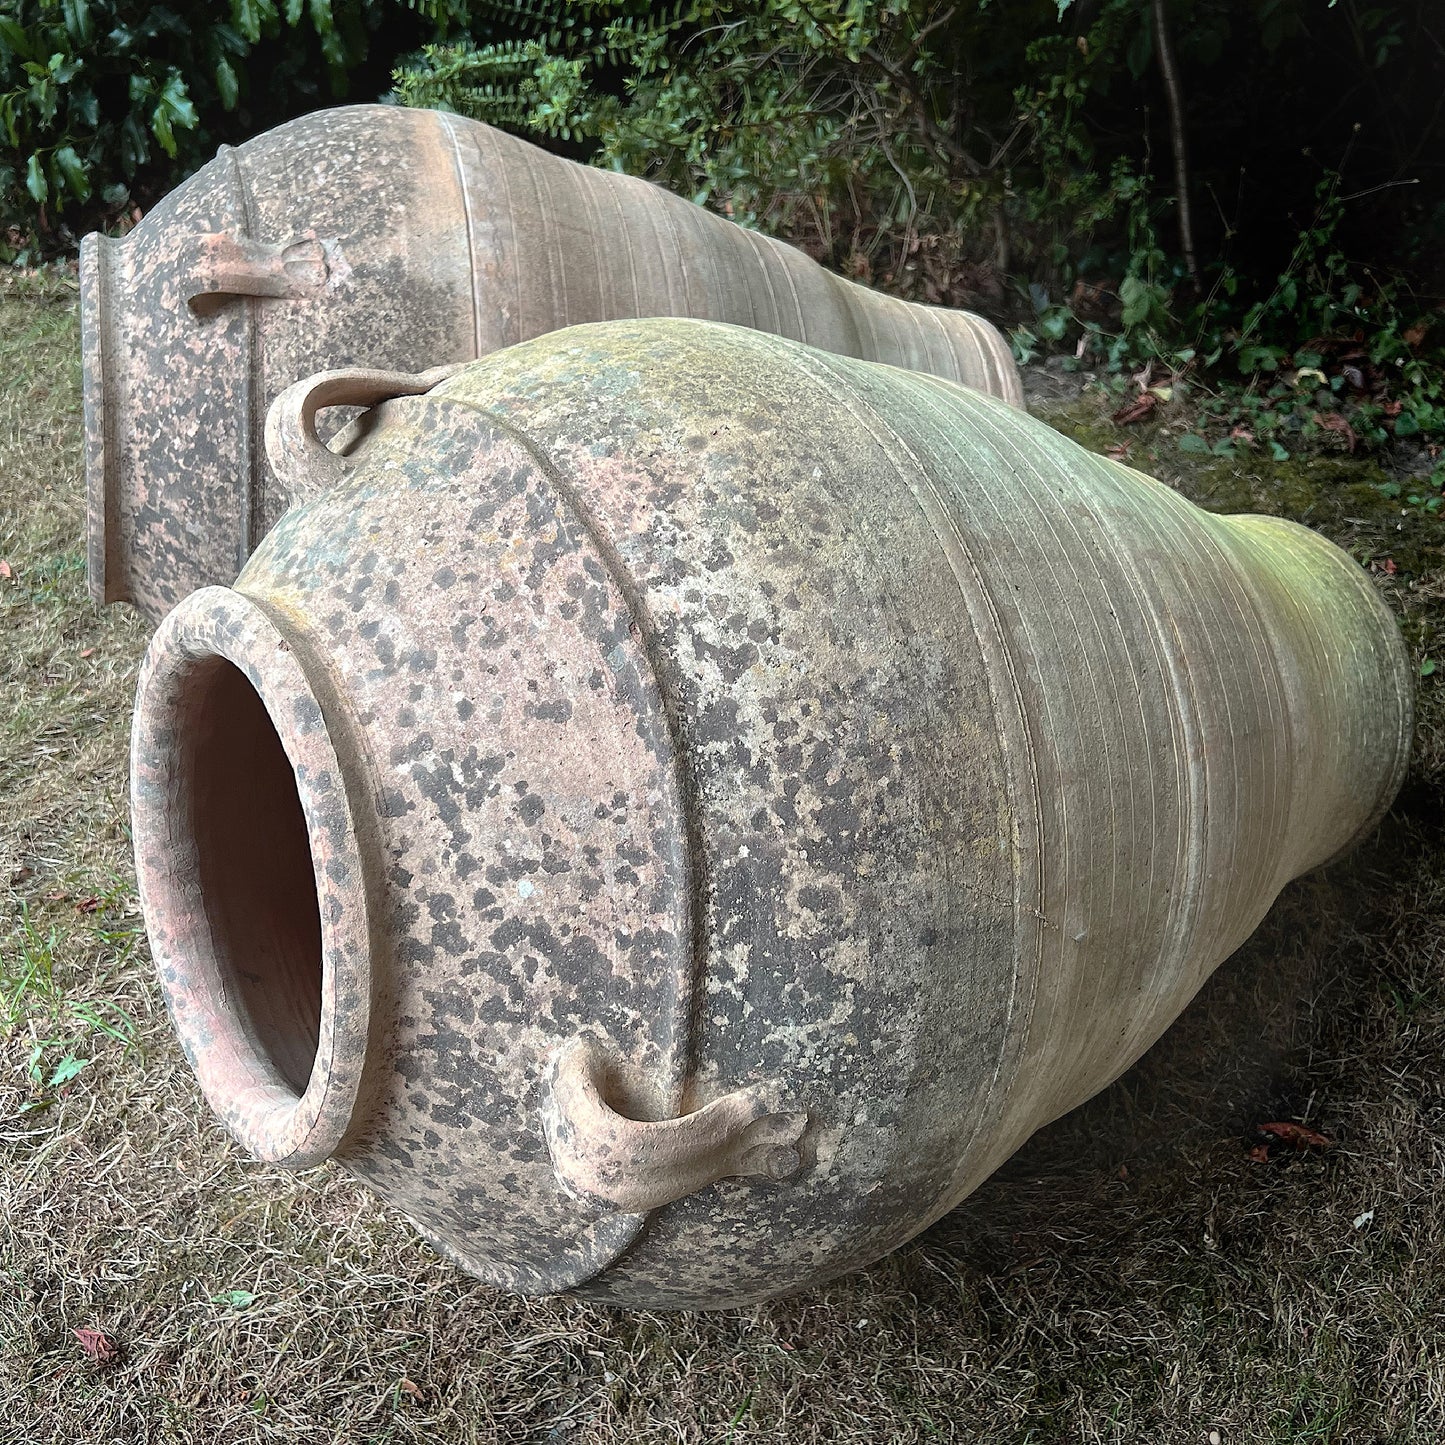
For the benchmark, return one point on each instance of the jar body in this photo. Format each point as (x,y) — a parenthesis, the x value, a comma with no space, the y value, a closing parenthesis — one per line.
(777,723)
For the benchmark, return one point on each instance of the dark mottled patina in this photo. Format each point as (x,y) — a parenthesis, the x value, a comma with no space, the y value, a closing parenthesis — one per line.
(821,772)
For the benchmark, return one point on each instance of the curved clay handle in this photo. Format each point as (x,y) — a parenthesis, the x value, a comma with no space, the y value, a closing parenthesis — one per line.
(634,1166)
(304,465)
(219,267)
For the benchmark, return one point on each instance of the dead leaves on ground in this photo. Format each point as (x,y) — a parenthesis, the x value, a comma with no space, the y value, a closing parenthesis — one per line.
(1333,421)
(99,1347)
(1297,1136)
(1141,407)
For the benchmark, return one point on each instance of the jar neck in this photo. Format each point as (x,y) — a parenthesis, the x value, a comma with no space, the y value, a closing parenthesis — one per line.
(252,873)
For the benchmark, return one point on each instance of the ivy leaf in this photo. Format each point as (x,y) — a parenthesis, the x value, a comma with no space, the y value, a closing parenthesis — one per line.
(1191,443)
(35,181)
(72,168)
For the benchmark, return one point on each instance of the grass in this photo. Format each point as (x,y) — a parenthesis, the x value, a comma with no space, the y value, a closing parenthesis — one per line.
(1131,1275)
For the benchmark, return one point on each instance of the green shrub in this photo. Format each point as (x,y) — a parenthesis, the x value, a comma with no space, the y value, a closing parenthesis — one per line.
(97,96)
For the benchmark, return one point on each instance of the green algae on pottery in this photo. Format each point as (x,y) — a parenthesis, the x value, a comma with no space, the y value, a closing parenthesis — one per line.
(672,809)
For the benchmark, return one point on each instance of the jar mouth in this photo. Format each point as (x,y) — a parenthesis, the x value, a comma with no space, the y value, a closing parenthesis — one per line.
(251,875)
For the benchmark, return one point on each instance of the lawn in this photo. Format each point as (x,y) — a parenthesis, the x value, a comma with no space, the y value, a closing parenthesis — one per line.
(1132,1275)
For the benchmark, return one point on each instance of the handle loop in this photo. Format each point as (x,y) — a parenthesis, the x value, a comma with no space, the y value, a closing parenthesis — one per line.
(303,464)
(634,1166)
(219,267)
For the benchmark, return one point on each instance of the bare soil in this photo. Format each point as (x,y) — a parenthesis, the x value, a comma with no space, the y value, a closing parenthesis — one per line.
(1131,1275)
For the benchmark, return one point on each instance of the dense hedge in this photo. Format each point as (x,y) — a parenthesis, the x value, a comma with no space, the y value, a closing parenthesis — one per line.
(105,100)
(1201,183)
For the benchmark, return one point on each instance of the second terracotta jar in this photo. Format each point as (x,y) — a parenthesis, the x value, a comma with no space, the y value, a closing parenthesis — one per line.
(397,239)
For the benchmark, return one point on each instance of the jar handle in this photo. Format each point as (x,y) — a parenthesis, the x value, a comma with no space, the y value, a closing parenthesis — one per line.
(220,266)
(304,465)
(633,1166)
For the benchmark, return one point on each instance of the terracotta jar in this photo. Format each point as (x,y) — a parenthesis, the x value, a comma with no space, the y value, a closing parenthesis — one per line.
(675,809)
(397,239)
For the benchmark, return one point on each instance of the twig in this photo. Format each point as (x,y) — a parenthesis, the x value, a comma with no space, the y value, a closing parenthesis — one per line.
(911,54)
(1174,92)
(941,140)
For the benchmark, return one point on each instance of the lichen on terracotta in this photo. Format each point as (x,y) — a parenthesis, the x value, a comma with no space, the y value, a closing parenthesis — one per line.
(705,731)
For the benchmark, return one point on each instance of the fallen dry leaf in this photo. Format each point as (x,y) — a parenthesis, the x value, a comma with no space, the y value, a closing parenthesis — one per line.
(5,571)
(98,1345)
(1137,410)
(1260,1154)
(1119,451)
(411,1388)
(1296,1134)
(87,652)
(87,905)
(1333,421)
(58,896)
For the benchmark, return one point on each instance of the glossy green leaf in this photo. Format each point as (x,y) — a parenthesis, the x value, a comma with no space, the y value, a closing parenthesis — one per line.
(227,86)
(72,168)
(35,181)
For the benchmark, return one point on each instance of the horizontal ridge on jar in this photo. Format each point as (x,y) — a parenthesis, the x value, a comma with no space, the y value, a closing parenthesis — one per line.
(727,797)
(397,239)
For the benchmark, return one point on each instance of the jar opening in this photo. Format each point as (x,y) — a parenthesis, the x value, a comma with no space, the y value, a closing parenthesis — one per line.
(251,875)
(255,880)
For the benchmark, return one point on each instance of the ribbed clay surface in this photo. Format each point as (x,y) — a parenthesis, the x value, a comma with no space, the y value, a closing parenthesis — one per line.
(773,721)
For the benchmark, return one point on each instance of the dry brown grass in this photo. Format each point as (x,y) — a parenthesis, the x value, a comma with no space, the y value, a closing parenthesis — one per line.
(1131,1275)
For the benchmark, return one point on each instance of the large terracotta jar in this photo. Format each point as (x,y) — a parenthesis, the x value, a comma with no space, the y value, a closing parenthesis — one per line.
(673,809)
(397,239)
